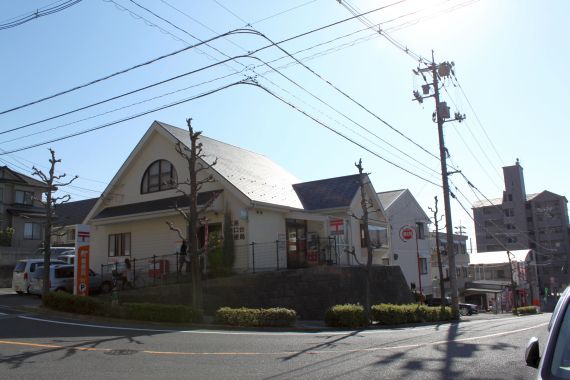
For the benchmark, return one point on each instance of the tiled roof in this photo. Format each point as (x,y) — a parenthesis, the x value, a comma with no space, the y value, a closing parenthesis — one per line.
(153,206)
(328,193)
(74,212)
(254,175)
(19,177)
(388,197)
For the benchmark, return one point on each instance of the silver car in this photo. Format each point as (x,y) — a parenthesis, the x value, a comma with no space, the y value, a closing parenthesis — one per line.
(60,279)
(555,360)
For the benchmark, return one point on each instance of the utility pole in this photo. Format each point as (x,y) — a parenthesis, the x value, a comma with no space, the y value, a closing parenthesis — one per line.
(460,229)
(440,115)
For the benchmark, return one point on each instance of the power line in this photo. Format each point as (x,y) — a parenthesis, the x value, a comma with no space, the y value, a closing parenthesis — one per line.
(235,31)
(37,14)
(230,12)
(123,119)
(367,110)
(475,189)
(340,134)
(117,109)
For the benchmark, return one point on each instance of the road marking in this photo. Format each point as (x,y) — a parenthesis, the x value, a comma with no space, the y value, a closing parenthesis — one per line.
(313,352)
(3,313)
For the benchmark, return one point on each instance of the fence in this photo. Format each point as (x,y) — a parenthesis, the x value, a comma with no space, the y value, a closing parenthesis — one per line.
(248,258)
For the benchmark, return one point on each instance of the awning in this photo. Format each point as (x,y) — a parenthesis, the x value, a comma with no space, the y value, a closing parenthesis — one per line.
(480,290)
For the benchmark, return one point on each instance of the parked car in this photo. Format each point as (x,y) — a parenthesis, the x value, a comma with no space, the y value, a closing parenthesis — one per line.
(67,258)
(61,278)
(437,301)
(22,272)
(468,309)
(56,251)
(555,360)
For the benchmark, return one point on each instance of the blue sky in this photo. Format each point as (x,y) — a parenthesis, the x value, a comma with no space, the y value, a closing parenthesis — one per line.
(510,59)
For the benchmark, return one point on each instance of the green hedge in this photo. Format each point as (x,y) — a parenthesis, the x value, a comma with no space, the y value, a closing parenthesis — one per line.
(348,315)
(140,311)
(73,304)
(256,317)
(389,314)
(525,310)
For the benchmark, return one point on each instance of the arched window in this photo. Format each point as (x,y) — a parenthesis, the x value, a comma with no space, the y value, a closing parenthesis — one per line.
(159,176)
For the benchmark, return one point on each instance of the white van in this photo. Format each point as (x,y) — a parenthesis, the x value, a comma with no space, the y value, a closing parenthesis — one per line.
(23,271)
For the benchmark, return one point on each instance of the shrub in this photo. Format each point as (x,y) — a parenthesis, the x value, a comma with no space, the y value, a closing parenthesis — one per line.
(348,315)
(6,236)
(256,317)
(525,310)
(140,311)
(72,304)
(161,313)
(390,314)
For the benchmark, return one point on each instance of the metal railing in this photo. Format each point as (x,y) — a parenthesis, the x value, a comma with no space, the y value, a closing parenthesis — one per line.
(248,258)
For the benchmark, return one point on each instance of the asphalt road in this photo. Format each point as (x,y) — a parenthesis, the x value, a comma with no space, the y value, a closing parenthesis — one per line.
(480,347)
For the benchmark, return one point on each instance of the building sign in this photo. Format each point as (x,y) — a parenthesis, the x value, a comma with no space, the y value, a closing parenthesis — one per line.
(81,277)
(406,233)
(336,226)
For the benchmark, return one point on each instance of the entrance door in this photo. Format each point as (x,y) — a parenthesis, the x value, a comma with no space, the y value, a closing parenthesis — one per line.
(296,243)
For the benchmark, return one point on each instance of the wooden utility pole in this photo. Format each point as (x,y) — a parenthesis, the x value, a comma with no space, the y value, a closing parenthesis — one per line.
(441,115)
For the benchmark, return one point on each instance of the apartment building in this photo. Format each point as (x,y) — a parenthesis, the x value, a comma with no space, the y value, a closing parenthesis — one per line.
(518,220)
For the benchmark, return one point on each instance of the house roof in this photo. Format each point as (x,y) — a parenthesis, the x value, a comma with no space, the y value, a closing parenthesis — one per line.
(9,175)
(74,212)
(498,257)
(499,201)
(328,193)
(153,206)
(388,197)
(254,175)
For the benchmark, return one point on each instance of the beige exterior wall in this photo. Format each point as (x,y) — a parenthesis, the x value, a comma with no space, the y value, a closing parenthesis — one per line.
(127,189)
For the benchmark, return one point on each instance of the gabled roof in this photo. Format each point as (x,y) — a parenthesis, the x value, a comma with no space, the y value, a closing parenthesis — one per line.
(499,201)
(165,204)
(328,193)
(9,175)
(254,175)
(498,257)
(544,194)
(387,198)
(488,202)
(73,212)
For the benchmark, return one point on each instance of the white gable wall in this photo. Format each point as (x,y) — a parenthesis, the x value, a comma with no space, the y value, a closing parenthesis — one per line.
(405,211)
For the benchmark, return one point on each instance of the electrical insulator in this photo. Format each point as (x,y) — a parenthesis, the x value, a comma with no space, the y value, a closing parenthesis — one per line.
(425,89)
(418,96)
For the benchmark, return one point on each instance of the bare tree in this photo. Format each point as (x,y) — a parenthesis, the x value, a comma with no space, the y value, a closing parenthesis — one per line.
(365,206)
(53,183)
(437,247)
(190,187)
